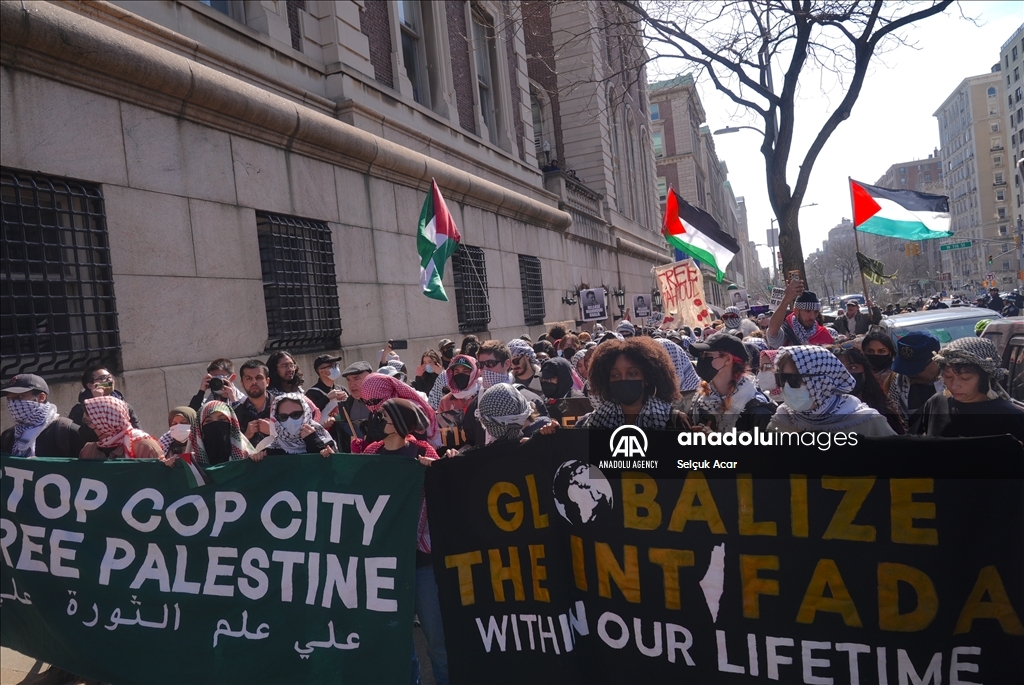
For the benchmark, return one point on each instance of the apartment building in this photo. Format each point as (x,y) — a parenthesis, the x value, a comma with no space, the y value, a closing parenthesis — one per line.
(1011,56)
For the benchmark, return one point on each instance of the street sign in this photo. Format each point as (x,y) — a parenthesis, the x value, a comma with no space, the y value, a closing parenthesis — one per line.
(955,246)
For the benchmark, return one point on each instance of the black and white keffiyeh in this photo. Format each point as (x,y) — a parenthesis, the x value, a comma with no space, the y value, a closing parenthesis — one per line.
(725,409)
(655,415)
(829,384)
(685,374)
(284,439)
(802,332)
(980,352)
(30,418)
(731,322)
(502,410)
(517,347)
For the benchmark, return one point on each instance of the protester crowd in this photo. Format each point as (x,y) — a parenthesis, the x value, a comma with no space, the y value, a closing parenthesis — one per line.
(785,371)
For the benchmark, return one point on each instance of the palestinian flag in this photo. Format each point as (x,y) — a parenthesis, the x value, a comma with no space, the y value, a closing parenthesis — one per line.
(436,240)
(696,234)
(196,475)
(903,214)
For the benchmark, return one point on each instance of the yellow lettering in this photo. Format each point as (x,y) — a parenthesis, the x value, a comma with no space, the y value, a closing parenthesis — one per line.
(827,574)
(539,520)
(998,607)
(747,525)
(753,585)
(500,574)
(842,527)
(696,489)
(670,560)
(579,570)
(627,579)
(638,493)
(889,616)
(538,572)
(905,510)
(514,509)
(464,563)
(798,505)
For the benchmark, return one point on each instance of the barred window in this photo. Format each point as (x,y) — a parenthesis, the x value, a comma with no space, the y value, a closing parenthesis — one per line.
(57,308)
(299,285)
(532,282)
(469,271)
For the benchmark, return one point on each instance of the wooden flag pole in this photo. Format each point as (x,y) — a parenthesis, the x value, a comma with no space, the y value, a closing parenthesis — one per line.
(856,243)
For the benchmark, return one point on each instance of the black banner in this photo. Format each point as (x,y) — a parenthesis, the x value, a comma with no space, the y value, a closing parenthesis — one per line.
(903,570)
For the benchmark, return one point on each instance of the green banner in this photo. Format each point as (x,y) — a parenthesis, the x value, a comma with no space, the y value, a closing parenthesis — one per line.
(295,569)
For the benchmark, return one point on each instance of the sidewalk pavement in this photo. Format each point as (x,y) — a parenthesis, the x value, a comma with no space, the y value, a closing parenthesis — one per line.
(16,668)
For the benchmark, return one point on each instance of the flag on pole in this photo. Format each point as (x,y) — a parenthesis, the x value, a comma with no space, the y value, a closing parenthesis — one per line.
(436,240)
(872,269)
(696,234)
(903,214)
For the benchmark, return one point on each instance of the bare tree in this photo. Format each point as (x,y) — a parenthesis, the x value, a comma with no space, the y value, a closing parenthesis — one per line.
(740,44)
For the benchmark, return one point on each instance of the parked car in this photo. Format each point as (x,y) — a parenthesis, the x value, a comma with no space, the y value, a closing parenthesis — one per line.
(946,324)
(843,299)
(1008,336)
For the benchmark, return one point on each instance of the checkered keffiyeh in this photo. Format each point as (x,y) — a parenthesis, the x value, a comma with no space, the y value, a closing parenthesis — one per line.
(502,410)
(655,415)
(110,420)
(241,448)
(518,348)
(731,323)
(377,388)
(829,384)
(760,343)
(292,443)
(30,418)
(687,377)
(980,352)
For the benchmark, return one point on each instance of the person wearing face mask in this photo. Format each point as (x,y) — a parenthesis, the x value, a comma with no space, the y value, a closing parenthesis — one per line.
(569,345)
(115,436)
(217,438)
(429,370)
(816,396)
(326,396)
(180,421)
(880,350)
(462,378)
(728,396)
(564,404)
(688,379)
(866,387)
(636,384)
(38,430)
(507,416)
(766,381)
(219,382)
(731,318)
(377,389)
(494,363)
(97,381)
(294,430)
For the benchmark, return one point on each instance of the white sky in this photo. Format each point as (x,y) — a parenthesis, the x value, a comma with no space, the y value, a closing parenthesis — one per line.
(891,122)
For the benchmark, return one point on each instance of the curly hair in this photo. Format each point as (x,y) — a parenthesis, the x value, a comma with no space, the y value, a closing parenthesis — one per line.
(659,373)
(557,331)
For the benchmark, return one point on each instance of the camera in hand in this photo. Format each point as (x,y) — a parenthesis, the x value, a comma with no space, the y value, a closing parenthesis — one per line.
(217,384)
(399,344)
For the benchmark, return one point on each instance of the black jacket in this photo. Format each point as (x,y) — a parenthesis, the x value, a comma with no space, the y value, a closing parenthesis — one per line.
(245,413)
(862,322)
(62,438)
(77,414)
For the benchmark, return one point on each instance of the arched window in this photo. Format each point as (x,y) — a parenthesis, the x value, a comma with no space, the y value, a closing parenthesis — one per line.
(543,125)
(992,92)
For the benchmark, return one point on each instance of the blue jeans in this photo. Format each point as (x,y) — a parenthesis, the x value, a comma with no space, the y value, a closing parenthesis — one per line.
(428,608)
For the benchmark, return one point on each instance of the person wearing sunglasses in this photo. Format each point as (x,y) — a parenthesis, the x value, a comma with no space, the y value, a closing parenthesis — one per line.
(731,318)
(867,389)
(295,431)
(524,364)
(97,381)
(816,396)
(728,397)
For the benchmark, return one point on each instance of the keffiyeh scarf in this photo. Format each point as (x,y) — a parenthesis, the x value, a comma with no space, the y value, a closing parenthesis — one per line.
(517,347)
(30,418)
(655,415)
(980,352)
(377,388)
(166,440)
(241,448)
(685,374)
(829,384)
(813,335)
(726,410)
(284,439)
(502,411)
(110,420)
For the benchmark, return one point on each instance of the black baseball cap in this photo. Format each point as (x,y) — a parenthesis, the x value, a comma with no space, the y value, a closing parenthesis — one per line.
(722,342)
(25,382)
(357,367)
(324,360)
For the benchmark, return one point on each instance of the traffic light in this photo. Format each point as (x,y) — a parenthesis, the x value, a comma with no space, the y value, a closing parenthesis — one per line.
(906,249)
(990,260)
(917,249)
(1016,241)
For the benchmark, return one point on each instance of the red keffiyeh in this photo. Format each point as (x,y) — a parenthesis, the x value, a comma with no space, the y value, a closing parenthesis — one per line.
(377,388)
(110,420)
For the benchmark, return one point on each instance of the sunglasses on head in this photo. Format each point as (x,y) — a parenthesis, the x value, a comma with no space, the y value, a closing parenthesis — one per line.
(490,363)
(793,380)
(297,414)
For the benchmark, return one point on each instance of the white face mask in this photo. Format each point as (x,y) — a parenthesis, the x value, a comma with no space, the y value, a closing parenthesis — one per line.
(292,426)
(334,373)
(797,399)
(429,369)
(766,381)
(179,432)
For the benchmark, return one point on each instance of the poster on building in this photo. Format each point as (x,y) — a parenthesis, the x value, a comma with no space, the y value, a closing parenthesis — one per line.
(682,293)
(739,299)
(296,569)
(776,299)
(592,304)
(600,557)
(642,306)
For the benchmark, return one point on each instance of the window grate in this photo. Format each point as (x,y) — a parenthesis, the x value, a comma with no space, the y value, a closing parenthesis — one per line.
(299,284)
(57,308)
(469,271)
(532,282)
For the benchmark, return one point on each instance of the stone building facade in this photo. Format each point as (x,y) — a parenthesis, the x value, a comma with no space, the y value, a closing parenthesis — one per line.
(190,180)
(1011,56)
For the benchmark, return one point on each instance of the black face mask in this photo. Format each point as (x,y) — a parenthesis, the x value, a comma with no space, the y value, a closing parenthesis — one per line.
(217,440)
(858,382)
(557,389)
(626,392)
(373,427)
(879,362)
(705,370)
(460,380)
(569,353)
